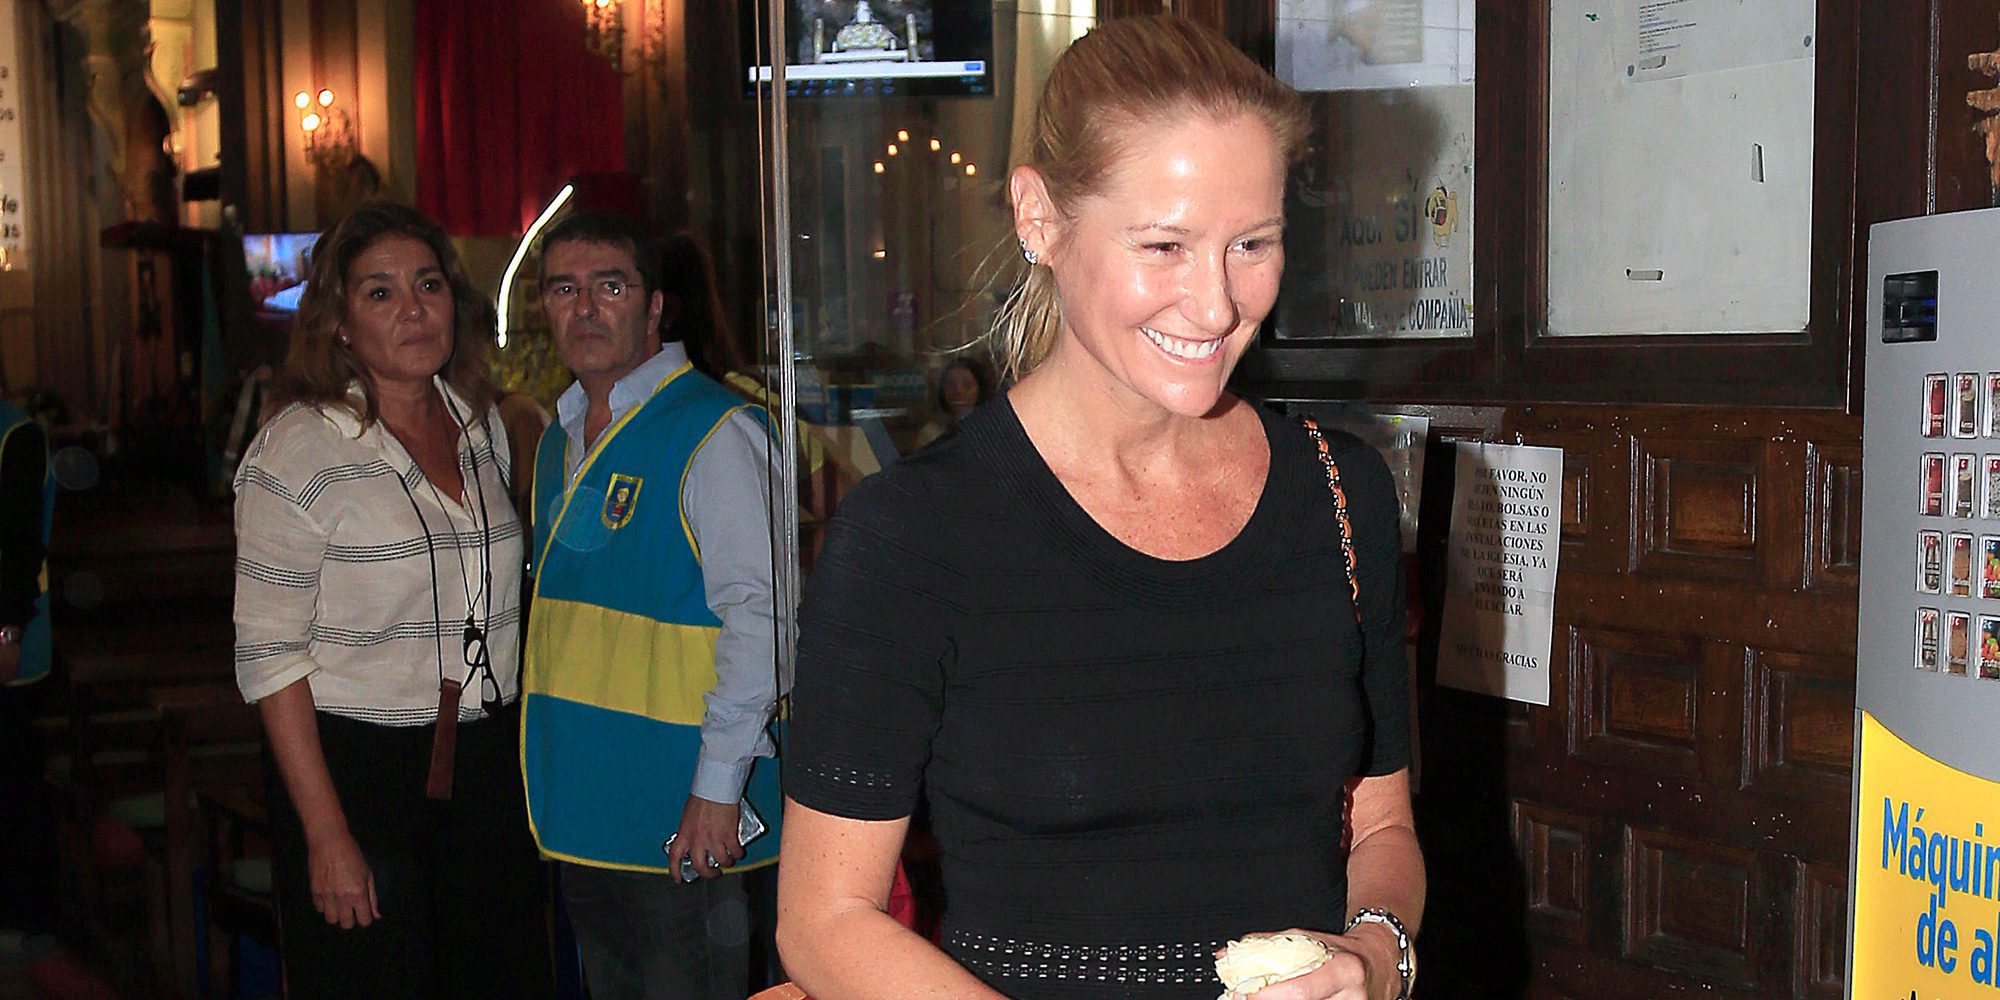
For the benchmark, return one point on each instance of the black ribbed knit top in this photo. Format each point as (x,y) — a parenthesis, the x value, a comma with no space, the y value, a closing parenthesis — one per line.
(1128,760)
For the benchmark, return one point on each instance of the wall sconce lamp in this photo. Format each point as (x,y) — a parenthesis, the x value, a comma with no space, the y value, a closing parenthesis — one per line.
(604,29)
(329,134)
(604,32)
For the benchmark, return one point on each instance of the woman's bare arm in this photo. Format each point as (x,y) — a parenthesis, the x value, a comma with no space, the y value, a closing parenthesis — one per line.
(835,935)
(343,888)
(1384,870)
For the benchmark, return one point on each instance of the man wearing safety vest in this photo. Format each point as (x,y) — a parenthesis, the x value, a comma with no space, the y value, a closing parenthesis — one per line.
(27,840)
(651,673)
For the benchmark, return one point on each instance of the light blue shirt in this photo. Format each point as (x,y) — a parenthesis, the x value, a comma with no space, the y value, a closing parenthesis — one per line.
(731,508)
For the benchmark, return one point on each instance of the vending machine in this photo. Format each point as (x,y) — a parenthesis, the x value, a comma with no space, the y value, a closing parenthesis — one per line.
(1924,892)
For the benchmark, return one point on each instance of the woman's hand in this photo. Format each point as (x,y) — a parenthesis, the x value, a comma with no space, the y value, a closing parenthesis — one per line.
(1362,966)
(343,889)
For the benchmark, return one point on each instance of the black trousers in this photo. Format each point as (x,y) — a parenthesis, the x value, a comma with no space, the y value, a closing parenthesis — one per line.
(651,937)
(27,829)
(462,891)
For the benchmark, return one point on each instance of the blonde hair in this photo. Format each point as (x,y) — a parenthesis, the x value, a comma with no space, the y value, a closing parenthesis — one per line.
(318,368)
(1125,74)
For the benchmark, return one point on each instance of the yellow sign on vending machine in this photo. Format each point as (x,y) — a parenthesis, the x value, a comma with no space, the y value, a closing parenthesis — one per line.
(1926,874)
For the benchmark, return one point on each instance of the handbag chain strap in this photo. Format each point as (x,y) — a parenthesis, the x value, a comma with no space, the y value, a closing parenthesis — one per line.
(1339,509)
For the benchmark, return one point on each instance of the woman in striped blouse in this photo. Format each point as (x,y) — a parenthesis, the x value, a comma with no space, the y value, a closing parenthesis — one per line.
(377,612)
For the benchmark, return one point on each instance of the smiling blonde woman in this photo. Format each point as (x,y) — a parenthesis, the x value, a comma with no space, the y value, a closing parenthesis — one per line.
(1108,630)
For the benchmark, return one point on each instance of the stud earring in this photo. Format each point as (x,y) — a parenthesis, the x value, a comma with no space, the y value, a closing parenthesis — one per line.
(1028,255)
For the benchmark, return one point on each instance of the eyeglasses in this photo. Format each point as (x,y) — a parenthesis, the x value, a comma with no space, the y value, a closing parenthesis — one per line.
(482,665)
(602,289)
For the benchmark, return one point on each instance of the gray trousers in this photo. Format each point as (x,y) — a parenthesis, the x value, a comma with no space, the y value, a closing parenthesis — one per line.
(650,937)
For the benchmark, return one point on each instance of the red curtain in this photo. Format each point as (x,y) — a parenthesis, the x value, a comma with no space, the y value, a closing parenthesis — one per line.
(510,104)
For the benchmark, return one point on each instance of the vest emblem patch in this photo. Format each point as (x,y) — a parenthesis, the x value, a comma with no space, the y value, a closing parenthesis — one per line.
(621,498)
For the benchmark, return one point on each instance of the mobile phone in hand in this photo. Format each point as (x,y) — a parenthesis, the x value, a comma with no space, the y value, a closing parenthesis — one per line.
(749,826)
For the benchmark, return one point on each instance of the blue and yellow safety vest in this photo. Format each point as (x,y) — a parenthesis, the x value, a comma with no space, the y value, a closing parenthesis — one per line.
(621,641)
(36,653)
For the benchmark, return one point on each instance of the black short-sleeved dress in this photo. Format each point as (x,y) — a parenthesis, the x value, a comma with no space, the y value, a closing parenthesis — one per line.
(1128,760)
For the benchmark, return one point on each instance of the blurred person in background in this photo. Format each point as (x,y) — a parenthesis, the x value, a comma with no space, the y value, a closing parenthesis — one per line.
(694,316)
(964,383)
(27,831)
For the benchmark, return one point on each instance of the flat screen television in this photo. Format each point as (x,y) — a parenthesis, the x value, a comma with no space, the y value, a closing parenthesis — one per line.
(876,48)
(278,264)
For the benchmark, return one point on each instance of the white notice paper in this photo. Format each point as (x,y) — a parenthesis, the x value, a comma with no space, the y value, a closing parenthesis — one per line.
(1374,44)
(1676,38)
(13,198)
(1500,599)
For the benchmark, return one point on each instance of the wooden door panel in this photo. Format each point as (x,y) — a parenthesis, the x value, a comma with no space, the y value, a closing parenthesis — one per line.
(1833,516)
(1820,917)
(1556,855)
(1576,505)
(1800,725)
(1690,906)
(1695,508)
(1635,700)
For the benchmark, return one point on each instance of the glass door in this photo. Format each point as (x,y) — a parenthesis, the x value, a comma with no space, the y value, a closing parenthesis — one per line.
(889,128)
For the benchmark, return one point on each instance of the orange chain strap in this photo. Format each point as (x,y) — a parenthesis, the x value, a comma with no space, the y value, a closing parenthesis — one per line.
(1339,508)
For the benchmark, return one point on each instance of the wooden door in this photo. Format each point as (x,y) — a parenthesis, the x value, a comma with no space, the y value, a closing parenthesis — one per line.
(1675,821)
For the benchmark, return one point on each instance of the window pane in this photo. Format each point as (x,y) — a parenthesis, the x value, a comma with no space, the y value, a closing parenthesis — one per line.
(1680,167)
(1379,216)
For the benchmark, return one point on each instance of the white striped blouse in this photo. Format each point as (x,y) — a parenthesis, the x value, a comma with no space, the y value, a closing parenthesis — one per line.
(356,574)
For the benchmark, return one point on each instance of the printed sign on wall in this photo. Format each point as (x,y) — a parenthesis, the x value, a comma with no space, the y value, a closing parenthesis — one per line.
(1500,600)
(1927,873)
(13,238)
